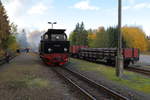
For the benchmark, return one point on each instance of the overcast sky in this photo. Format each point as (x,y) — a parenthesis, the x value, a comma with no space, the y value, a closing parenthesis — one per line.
(34,14)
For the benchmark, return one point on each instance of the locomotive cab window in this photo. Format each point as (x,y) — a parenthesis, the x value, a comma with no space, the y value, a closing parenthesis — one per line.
(45,37)
(58,37)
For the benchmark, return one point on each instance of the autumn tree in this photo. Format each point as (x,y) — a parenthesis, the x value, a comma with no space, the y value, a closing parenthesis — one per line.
(91,37)
(135,38)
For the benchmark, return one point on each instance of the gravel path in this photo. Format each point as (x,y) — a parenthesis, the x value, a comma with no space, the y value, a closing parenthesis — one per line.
(145,59)
(26,78)
(144,62)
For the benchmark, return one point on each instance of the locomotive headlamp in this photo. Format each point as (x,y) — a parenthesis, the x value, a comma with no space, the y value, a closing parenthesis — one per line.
(49,50)
(57,37)
(46,36)
(65,49)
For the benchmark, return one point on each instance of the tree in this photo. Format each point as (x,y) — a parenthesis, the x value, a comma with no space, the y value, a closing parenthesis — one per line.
(101,40)
(135,38)
(4,27)
(79,35)
(13,29)
(7,32)
(91,37)
(112,34)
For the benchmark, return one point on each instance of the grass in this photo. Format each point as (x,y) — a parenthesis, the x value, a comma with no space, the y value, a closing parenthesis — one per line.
(23,77)
(130,79)
(38,82)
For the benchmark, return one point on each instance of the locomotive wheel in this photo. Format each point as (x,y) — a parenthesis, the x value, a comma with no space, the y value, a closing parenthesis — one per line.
(109,61)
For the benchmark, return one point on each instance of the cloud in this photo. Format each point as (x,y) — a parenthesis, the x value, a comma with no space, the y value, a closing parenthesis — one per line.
(130,1)
(137,6)
(39,8)
(15,8)
(85,5)
(126,7)
(142,5)
(24,12)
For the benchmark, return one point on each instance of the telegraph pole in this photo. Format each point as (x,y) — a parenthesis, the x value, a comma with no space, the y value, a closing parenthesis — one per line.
(119,58)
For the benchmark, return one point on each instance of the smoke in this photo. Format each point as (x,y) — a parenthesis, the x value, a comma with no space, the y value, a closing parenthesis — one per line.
(34,38)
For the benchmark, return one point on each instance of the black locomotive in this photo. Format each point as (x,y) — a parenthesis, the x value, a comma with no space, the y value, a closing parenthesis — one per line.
(54,47)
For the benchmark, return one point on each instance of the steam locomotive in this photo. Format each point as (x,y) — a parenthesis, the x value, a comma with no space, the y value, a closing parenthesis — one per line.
(54,47)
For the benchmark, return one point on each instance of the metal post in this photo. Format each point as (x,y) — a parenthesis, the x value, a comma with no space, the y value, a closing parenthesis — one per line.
(119,58)
(52,23)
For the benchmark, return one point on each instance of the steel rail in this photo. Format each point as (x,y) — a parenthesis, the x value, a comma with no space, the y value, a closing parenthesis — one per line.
(139,70)
(110,92)
(77,86)
(3,60)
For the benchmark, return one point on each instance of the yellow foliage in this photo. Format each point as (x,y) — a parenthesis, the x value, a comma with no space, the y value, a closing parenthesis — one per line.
(92,36)
(1,52)
(13,46)
(135,38)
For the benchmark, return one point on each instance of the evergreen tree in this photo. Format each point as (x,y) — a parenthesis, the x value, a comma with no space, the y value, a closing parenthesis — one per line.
(112,33)
(4,27)
(79,36)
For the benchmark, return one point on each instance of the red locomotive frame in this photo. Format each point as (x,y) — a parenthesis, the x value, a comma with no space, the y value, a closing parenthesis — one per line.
(55,59)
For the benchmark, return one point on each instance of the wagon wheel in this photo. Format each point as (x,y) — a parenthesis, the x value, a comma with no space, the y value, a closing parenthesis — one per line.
(126,63)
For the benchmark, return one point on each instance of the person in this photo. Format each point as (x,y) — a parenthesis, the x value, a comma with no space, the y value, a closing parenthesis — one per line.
(27,50)
(7,56)
(18,50)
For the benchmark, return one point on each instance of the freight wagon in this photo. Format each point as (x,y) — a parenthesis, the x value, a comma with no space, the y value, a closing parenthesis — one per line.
(108,55)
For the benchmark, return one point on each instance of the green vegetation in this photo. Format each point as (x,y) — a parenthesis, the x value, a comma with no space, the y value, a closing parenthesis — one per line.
(130,79)
(79,35)
(7,33)
(133,37)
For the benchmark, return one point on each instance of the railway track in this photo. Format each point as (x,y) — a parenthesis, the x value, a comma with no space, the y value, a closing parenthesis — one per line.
(133,69)
(91,89)
(139,70)
(3,60)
